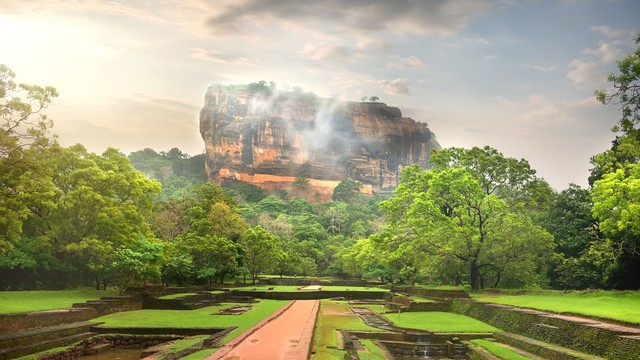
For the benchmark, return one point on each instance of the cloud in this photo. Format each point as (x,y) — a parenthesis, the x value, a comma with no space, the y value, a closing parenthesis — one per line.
(209,55)
(368,45)
(591,70)
(608,31)
(481,41)
(395,87)
(324,53)
(128,123)
(541,68)
(361,16)
(541,111)
(503,100)
(606,53)
(407,62)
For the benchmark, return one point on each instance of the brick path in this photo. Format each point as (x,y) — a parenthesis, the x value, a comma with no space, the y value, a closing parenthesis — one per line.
(284,335)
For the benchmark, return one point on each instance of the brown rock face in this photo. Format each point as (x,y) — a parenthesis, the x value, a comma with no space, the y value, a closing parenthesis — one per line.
(268,139)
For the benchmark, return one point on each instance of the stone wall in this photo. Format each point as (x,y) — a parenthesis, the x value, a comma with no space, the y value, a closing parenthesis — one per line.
(93,345)
(16,322)
(399,302)
(573,335)
(431,293)
(79,312)
(408,350)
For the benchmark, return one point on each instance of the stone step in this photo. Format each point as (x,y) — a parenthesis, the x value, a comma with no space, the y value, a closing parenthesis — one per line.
(36,347)
(543,349)
(24,338)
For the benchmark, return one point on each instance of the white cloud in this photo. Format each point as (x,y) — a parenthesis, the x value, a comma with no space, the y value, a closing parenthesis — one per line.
(606,53)
(608,31)
(541,68)
(481,41)
(541,111)
(209,55)
(367,45)
(395,87)
(585,74)
(325,53)
(503,100)
(407,62)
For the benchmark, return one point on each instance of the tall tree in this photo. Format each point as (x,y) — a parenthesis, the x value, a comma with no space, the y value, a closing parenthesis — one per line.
(261,251)
(448,214)
(96,204)
(24,131)
(616,175)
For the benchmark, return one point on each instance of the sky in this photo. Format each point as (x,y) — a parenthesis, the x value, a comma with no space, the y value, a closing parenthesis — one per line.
(518,76)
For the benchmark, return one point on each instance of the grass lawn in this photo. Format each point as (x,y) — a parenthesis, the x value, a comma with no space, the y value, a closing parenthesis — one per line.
(372,352)
(293,288)
(334,315)
(199,355)
(499,351)
(27,301)
(442,287)
(200,318)
(436,321)
(179,295)
(621,306)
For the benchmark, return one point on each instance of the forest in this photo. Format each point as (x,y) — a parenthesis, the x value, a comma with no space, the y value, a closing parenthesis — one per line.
(69,217)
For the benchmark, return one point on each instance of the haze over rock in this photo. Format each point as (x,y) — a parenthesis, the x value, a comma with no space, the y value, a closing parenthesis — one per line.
(256,134)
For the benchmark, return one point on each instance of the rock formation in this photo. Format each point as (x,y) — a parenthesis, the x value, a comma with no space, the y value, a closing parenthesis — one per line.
(267,138)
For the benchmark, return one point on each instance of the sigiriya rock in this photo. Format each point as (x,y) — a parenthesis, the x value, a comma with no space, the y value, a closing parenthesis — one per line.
(255,134)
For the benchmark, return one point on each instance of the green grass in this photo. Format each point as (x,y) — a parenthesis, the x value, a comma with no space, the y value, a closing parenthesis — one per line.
(199,355)
(620,306)
(372,351)
(442,287)
(200,318)
(420,299)
(499,351)
(28,301)
(179,295)
(187,342)
(334,315)
(436,321)
(294,288)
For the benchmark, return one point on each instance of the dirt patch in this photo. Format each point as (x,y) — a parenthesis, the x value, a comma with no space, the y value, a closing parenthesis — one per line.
(234,310)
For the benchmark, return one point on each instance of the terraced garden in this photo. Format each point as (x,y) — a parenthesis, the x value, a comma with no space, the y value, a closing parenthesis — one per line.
(486,324)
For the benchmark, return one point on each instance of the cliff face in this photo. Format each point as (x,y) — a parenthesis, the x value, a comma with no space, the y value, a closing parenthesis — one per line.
(270,139)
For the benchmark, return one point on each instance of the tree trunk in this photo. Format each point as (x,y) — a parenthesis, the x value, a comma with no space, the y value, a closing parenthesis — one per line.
(474,276)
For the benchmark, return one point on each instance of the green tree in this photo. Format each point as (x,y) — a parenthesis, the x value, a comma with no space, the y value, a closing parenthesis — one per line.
(511,180)
(212,231)
(574,229)
(24,131)
(346,191)
(449,214)
(616,174)
(138,264)
(94,205)
(626,85)
(261,251)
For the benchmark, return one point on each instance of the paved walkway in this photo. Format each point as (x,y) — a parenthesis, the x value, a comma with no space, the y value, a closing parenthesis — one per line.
(284,335)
